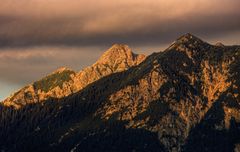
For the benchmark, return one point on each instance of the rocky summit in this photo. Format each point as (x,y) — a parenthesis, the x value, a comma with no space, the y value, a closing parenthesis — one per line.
(183,99)
(64,81)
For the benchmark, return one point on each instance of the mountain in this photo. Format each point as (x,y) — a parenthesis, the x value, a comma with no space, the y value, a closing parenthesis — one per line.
(185,98)
(64,81)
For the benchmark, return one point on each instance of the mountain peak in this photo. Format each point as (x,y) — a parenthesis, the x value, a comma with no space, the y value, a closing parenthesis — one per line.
(188,41)
(188,37)
(119,52)
(62,69)
(120,46)
(115,50)
(65,81)
(177,100)
(219,44)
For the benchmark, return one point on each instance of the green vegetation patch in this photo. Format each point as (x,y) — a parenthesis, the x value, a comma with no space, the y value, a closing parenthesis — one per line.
(54,80)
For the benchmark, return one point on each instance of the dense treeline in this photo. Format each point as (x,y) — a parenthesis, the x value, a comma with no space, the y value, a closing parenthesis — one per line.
(39,126)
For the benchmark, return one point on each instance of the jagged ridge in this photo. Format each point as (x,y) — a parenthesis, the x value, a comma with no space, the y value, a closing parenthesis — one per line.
(183,99)
(64,81)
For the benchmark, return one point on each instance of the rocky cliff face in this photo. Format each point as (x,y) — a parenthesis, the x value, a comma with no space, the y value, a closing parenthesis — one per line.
(185,98)
(118,58)
(174,91)
(64,81)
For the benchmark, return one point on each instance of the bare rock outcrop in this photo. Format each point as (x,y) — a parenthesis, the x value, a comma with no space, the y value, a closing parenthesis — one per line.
(184,99)
(64,81)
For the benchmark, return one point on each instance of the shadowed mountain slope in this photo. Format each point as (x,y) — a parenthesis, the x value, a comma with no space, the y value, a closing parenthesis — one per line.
(185,98)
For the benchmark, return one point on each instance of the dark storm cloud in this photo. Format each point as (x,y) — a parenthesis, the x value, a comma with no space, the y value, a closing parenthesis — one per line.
(84,23)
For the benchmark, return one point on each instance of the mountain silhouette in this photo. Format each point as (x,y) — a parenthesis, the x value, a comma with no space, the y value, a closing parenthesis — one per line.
(185,98)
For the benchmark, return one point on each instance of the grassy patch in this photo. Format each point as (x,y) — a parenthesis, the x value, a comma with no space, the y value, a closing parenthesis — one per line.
(52,81)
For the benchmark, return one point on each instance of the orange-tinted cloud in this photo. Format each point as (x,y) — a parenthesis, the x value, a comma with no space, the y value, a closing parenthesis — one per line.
(92,22)
(38,36)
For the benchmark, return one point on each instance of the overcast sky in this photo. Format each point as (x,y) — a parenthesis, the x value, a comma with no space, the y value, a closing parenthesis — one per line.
(39,36)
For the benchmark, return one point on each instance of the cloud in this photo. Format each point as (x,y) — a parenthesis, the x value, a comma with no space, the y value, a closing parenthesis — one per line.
(84,23)
(38,36)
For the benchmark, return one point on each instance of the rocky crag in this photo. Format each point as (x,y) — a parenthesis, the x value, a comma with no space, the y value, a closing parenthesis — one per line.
(64,81)
(185,98)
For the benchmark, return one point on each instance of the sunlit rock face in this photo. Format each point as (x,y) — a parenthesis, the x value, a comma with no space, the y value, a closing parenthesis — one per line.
(64,81)
(185,98)
(177,90)
(118,58)
(55,85)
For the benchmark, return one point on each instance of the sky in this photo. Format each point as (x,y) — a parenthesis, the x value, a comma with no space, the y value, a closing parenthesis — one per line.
(40,36)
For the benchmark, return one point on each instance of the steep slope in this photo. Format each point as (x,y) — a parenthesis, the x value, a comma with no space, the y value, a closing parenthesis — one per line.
(118,58)
(57,84)
(183,99)
(64,82)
